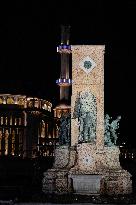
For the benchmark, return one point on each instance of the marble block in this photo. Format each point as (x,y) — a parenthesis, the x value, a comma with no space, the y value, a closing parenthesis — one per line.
(86,184)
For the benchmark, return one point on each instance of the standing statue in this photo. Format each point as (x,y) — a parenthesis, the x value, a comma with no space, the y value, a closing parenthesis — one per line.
(68,128)
(114,127)
(110,135)
(85,111)
(65,129)
(107,133)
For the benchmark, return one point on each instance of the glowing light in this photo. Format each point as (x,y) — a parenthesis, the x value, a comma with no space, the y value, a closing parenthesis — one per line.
(64,81)
(16,101)
(4,101)
(64,48)
(6,152)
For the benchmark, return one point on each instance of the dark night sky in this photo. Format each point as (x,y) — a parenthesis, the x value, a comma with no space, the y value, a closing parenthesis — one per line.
(30,33)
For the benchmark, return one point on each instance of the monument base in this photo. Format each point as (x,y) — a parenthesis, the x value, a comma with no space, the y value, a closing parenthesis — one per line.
(87,170)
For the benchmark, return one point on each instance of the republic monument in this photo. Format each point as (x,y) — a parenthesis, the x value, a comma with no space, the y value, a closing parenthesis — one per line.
(89,164)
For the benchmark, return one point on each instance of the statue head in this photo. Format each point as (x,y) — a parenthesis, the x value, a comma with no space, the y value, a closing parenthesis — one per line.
(107,117)
(119,118)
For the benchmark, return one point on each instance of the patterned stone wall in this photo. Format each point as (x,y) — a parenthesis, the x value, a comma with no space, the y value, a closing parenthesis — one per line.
(88,80)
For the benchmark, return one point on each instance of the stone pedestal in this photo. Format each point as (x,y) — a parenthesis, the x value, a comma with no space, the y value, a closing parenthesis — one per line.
(49,183)
(116,182)
(102,165)
(90,159)
(61,157)
(56,180)
(87,170)
(112,158)
(86,158)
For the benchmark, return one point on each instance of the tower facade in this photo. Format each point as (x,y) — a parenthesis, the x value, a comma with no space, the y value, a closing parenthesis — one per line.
(64,82)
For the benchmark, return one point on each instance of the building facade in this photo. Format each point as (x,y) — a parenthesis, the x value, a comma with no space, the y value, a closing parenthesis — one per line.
(27,127)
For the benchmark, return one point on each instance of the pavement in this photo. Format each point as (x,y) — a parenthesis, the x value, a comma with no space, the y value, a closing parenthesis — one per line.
(10,202)
(60,204)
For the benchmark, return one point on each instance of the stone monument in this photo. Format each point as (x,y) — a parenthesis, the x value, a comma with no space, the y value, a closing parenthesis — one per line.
(90,163)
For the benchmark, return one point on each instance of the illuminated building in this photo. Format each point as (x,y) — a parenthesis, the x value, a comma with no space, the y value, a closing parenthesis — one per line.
(27,126)
(64,81)
(127,152)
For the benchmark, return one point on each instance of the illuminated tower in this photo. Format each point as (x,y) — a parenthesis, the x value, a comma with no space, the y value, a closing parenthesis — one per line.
(64,82)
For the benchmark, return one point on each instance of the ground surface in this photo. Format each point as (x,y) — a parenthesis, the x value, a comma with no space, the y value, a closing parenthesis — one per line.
(75,199)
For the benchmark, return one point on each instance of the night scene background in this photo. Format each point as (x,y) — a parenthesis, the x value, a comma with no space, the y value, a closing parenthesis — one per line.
(30,34)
